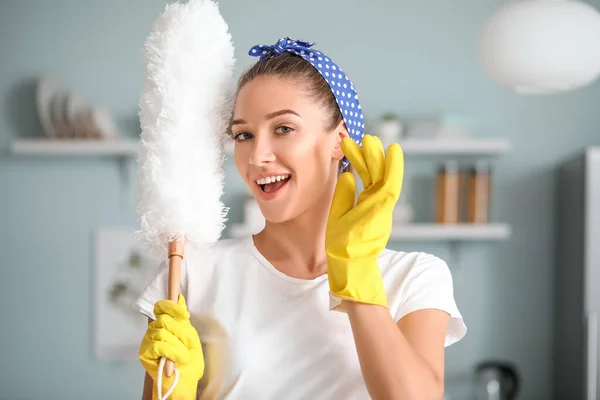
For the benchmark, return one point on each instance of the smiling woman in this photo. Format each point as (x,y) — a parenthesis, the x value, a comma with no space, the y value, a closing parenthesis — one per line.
(314,305)
(278,129)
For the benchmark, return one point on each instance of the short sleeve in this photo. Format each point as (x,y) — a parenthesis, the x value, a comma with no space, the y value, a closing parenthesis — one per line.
(429,285)
(157,289)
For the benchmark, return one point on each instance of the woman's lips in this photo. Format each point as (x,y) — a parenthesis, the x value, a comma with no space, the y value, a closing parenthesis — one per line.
(265,196)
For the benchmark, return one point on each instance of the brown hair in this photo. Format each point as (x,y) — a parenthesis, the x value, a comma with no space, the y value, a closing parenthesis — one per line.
(296,69)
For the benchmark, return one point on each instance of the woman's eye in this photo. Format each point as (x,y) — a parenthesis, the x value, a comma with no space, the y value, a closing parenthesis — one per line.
(284,130)
(242,136)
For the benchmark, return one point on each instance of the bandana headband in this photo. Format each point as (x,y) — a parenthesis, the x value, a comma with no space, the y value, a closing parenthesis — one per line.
(341,86)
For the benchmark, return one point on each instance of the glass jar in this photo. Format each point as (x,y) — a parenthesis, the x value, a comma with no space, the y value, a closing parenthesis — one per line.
(448,193)
(478,193)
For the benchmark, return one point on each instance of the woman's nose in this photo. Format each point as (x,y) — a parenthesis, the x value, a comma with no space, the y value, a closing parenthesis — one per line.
(262,153)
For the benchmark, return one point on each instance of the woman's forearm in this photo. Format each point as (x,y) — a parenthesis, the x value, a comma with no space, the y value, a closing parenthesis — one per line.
(148,386)
(390,366)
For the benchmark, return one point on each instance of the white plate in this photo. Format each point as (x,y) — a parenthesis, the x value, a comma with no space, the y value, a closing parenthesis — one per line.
(58,111)
(76,107)
(103,123)
(46,89)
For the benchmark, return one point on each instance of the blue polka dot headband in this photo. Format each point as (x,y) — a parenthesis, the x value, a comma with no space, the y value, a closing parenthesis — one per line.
(341,87)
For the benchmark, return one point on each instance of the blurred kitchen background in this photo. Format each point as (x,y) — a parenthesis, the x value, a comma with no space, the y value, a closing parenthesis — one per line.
(477,154)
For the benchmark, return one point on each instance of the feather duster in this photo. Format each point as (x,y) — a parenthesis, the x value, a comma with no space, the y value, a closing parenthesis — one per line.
(184,111)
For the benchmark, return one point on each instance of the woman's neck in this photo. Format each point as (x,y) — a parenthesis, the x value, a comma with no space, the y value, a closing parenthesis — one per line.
(297,247)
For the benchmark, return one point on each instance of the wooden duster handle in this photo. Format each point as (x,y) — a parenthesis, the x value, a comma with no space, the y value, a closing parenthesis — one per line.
(175,258)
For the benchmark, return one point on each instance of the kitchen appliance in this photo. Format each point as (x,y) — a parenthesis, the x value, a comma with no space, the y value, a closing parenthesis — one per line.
(496,380)
(577,280)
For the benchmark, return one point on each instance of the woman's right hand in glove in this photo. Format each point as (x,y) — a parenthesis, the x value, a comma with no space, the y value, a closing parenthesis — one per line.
(172,335)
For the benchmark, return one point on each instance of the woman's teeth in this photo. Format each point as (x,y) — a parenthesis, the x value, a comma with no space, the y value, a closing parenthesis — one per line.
(271,179)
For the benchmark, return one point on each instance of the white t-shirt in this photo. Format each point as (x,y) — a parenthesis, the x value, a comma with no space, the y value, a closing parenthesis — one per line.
(266,335)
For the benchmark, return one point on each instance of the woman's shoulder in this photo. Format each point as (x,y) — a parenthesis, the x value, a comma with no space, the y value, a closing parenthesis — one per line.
(404,264)
(419,280)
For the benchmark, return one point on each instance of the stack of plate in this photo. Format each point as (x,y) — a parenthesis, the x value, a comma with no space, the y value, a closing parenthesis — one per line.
(65,115)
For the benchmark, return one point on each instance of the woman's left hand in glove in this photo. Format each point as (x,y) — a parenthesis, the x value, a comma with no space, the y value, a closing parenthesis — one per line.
(356,234)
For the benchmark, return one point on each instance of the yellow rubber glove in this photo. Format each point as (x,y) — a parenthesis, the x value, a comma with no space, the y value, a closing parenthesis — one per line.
(357,234)
(172,335)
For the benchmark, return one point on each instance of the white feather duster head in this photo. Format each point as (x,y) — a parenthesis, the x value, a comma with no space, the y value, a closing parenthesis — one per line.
(184,112)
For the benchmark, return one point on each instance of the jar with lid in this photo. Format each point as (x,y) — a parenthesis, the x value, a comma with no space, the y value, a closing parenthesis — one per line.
(478,193)
(448,193)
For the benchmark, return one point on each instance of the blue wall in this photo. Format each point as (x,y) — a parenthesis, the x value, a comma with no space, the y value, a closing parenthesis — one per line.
(409,57)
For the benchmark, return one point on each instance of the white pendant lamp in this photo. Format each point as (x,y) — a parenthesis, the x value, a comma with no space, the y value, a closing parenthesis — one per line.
(542,46)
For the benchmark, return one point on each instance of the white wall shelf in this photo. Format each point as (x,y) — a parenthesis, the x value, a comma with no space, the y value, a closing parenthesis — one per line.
(425,232)
(79,147)
(466,146)
(454,232)
(459,146)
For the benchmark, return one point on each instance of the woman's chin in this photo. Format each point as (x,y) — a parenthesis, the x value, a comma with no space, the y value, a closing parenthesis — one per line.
(279,212)
(276,216)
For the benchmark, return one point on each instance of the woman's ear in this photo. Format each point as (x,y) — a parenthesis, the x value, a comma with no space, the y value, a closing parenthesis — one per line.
(340,132)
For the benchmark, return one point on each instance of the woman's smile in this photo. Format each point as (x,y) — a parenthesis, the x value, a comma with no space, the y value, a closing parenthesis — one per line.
(269,186)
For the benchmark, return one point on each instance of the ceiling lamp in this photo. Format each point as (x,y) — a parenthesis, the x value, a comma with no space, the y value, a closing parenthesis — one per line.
(542,46)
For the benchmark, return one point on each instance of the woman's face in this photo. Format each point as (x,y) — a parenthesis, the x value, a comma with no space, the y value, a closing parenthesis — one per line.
(282,148)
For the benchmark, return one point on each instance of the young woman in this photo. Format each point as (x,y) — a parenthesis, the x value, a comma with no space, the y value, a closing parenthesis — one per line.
(314,306)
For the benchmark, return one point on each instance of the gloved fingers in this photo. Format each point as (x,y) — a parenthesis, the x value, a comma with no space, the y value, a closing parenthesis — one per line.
(394,169)
(176,310)
(356,157)
(160,349)
(162,343)
(374,157)
(182,330)
(343,197)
